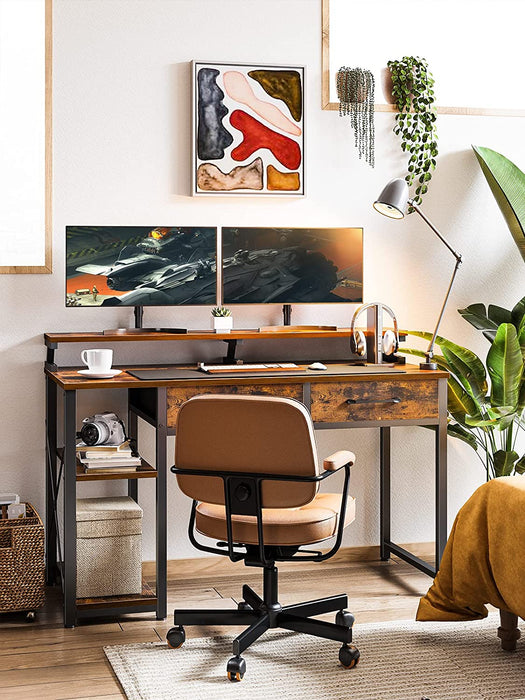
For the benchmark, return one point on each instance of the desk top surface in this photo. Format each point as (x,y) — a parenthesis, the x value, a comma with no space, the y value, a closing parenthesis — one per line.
(187,375)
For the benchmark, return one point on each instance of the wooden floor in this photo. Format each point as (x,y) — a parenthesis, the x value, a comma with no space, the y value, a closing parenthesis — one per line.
(45,661)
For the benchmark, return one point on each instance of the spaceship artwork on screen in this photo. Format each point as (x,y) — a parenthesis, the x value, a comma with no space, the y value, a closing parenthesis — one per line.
(141,265)
(292,265)
(248,135)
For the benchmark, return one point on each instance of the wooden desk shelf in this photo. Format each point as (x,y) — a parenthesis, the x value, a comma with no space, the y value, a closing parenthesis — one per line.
(144,471)
(232,339)
(138,601)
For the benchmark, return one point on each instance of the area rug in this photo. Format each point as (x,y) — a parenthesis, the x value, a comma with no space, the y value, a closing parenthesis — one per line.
(399,661)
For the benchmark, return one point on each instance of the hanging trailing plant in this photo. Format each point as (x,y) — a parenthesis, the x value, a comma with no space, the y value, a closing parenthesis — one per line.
(355,91)
(413,93)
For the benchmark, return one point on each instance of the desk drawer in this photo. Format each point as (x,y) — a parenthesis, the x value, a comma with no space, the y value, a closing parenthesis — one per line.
(374,401)
(178,395)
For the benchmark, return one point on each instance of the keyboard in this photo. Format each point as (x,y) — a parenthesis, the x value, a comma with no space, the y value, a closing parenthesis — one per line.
(258,367)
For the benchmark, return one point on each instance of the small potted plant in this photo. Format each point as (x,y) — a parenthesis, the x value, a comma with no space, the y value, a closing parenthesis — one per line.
(222,319)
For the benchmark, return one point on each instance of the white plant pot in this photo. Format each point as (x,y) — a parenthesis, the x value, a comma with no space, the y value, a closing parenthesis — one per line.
(222,324)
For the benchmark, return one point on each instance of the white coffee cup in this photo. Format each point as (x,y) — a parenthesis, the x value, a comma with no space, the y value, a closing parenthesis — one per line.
(98,360)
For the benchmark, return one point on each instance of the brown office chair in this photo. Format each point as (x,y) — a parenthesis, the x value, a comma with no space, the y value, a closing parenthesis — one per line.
(250,465)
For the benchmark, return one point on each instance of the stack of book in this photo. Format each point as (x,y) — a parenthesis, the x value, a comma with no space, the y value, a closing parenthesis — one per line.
(108,458)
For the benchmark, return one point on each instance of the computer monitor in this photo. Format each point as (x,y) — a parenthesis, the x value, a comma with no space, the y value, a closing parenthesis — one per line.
(292,265)
(141,265)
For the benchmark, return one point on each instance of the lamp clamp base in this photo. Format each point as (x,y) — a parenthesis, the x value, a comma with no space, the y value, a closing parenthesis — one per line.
(429,362)
(428,365)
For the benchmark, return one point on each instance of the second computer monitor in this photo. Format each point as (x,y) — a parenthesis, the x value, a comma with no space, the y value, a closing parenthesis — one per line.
(292,265)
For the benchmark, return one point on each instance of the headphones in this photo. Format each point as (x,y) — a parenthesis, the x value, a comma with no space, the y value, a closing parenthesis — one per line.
(390,340)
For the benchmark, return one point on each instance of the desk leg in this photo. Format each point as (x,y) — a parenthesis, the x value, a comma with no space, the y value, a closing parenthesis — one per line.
(441,473)
(384,493)
(133,484)
(51,476)
(70,510)
(161,498)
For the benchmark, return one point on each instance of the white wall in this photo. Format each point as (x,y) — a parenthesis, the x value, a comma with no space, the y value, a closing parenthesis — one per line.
(122,148)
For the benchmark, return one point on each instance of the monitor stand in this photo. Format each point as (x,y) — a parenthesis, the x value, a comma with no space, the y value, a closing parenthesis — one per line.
(139,318)
(287,326)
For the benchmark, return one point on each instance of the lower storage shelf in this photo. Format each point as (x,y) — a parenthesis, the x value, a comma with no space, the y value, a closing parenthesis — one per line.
(148,597)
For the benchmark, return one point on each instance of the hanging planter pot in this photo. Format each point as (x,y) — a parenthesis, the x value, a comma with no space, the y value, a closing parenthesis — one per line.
(387,86)
(355,91)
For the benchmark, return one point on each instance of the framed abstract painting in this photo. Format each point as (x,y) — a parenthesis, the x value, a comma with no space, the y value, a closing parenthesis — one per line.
(248,129)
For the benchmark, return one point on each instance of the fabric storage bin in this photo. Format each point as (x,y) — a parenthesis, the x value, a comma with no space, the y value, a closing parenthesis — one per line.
(109,547)
(22,563)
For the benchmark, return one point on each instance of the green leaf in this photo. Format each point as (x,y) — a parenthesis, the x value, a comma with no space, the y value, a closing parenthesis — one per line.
(499,315)
(504,462)
(519,467)
(521,337)
(518,312)
(438,359)
(505,366)
(476,315)
(481,422)
(464,363)
(500,411)
(458,431)
(460,402)
(507,183)
(468,370)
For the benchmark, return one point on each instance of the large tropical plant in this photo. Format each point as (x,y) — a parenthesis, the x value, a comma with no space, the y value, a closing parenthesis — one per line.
(486,404)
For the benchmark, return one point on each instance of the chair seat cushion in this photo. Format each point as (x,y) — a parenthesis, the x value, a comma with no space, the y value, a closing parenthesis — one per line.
(313,522)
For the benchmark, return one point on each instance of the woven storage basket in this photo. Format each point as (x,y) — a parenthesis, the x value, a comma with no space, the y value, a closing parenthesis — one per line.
(22,562)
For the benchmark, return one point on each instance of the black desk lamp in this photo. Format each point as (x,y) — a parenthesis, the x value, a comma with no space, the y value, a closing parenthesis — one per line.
(392,202)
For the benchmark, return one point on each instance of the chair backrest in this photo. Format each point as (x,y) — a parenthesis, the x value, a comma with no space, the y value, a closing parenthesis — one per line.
(246,434)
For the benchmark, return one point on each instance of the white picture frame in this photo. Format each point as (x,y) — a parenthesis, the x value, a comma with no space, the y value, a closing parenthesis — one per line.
(473,48)
(248,129)
(25,136)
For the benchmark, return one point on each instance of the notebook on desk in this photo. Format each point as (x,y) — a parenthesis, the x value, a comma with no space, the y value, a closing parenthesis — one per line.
(168,373)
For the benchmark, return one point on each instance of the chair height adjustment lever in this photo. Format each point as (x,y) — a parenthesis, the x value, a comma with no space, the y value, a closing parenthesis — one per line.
(393,399)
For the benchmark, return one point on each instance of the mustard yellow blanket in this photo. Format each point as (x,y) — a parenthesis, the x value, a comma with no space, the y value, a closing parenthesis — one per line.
(484,560)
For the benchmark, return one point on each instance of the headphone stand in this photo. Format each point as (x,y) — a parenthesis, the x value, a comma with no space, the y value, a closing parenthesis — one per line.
(372,343)
(374,325)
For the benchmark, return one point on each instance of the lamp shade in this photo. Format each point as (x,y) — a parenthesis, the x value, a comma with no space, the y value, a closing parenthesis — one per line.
(393,199)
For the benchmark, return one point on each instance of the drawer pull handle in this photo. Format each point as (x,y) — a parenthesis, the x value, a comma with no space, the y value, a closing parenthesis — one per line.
(394,399)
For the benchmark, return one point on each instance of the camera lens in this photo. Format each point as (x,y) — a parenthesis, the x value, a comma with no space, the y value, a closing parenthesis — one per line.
(94,433)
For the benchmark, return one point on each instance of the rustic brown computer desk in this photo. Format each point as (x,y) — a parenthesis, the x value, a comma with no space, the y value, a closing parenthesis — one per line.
(341,397)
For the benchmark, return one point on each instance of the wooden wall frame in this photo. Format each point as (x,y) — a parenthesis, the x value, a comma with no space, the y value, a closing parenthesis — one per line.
(46,266)
(326,75)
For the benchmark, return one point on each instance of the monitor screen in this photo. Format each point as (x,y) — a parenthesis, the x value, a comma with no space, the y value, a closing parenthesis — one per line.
(140,265)
(292,265)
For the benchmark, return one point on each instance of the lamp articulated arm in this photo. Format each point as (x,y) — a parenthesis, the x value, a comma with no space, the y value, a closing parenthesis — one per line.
(392,203)
(429,364)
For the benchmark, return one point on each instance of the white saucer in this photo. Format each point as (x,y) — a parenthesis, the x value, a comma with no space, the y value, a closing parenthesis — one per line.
(92,374)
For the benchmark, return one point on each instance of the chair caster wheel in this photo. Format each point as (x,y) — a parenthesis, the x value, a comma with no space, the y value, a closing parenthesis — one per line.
(244,606)
(31,616)
(176,637)
(345,619)
(236,668)
(349,655)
